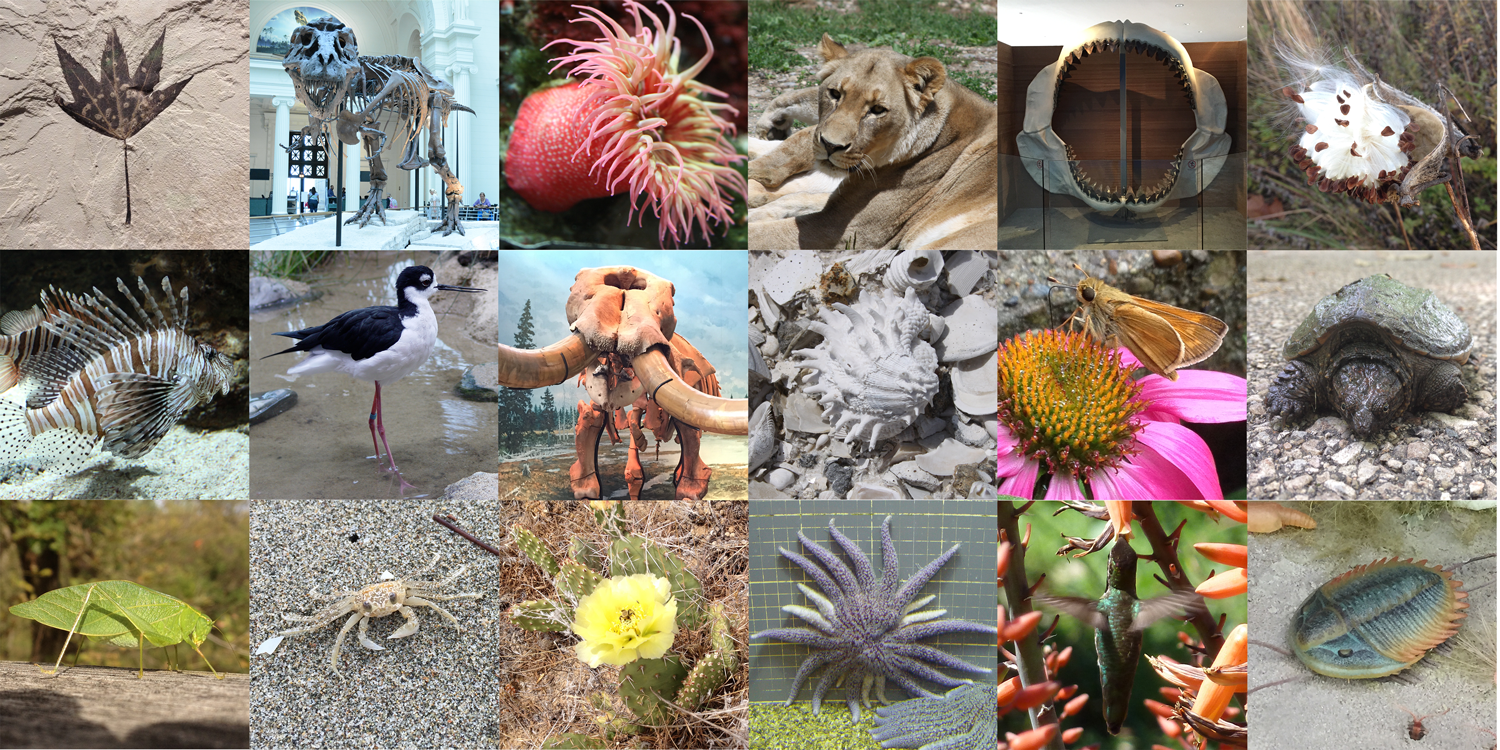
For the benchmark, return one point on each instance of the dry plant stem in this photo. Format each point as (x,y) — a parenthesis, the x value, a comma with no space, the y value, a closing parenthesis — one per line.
(1463,211)
(452,524)
(1165,557)
(1402,224)
(1029,660)
(126,146)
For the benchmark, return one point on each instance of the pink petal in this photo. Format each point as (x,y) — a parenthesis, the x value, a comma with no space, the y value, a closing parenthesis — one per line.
(1007,440)
(1064,487)
(1189,455)
(1009,464)
(1198,396)
(1023,484)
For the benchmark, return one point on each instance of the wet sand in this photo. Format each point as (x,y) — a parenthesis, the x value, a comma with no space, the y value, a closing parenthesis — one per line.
(321,448)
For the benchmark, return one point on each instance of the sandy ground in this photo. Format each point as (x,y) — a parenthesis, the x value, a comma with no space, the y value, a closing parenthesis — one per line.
(546,691)
(186,465)
(435,688)
(1318,711)
(1426,455)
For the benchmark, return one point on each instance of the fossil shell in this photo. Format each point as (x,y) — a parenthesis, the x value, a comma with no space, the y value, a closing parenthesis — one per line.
(872,374)
(914,268)
(1377,619)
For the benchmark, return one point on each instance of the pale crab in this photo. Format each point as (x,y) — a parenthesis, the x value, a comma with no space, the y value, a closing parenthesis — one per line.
(380,600)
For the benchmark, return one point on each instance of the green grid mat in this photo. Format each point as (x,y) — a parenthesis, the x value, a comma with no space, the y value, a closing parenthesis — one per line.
(921,531)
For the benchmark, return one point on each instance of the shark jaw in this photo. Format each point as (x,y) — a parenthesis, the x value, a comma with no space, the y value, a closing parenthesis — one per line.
(1198,160)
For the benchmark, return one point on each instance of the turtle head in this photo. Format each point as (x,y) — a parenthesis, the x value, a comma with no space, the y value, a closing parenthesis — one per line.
(1370,394)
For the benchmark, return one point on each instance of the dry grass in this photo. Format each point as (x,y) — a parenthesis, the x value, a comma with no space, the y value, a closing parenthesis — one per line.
(1410,45)
(545,689)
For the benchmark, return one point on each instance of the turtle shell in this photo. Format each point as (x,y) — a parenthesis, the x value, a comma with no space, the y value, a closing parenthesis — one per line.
(1413,318)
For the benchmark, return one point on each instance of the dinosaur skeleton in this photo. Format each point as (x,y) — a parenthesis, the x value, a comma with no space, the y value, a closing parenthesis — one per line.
(365,98)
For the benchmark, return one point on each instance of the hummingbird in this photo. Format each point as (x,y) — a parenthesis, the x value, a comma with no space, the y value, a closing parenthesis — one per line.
(1118,618)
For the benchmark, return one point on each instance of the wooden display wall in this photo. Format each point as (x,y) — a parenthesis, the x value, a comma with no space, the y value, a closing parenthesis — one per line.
(1088,113)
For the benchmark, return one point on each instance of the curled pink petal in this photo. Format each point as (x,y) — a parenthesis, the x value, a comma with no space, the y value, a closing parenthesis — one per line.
(1198,396)
(1023,483)
(1190,457)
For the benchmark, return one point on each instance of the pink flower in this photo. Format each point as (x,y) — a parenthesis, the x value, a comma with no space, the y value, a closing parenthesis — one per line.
(1166,462)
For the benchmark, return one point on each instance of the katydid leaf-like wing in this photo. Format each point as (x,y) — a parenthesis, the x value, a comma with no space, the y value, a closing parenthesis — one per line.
(117,610)
(117,104)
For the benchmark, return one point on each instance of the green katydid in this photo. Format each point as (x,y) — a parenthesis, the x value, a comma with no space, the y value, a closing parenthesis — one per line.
(125,613)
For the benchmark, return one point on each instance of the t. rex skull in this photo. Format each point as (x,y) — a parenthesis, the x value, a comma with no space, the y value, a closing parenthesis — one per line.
(1052,162)
(323,63)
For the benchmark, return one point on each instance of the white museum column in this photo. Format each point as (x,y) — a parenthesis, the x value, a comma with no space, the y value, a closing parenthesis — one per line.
(281,161)
(464,127)
(351,175)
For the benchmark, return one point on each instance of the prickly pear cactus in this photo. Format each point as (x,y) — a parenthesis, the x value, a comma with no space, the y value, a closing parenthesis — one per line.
(575,581)
(543,614)
(586,555)
(610,515)
(632,555)
(644,682)
(534,549)
(714,668)
(614,725)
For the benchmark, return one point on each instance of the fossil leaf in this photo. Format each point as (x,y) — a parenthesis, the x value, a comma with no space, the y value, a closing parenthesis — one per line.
(117,104)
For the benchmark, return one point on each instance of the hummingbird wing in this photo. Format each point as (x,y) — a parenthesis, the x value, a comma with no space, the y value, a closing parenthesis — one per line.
(1177,604)
(1083,609)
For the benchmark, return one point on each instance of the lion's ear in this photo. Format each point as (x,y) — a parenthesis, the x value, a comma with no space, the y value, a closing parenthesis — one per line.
(831,50)
(926,76)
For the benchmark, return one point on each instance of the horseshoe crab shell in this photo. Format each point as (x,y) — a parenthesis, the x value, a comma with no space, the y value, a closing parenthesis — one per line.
(1377,619)
(872,374)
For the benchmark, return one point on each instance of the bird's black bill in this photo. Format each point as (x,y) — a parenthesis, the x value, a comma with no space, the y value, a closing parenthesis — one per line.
(446,288)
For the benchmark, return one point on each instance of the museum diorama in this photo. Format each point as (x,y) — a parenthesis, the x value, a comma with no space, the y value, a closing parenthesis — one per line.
(1123,137)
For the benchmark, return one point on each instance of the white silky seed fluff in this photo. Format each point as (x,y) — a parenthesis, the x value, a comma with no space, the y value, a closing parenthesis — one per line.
(1367,118)
(872,374)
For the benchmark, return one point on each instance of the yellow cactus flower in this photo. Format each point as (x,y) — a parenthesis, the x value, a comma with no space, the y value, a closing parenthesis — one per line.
(624,619)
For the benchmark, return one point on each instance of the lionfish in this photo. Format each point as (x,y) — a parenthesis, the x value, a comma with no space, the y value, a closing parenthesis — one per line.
(79,370)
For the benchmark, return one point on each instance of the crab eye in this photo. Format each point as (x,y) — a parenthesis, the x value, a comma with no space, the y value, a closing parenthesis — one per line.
(393,598)
(367,606)
(1345,652)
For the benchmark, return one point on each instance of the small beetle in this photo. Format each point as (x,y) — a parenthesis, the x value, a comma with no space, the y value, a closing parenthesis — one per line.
(1415,730)
(1377,619)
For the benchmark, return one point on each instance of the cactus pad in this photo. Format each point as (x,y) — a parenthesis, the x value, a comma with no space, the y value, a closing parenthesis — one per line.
(536,550)
(575,741)
(575,581)
(644,682)
(543,614)
(714,668)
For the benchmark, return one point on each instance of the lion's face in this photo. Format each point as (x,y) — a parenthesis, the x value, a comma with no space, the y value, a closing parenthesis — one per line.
(875,107)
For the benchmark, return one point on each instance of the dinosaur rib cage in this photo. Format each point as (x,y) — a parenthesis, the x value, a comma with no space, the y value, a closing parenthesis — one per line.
(408,105)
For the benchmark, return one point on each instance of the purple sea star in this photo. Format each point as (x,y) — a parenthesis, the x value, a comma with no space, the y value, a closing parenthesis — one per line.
(866,628)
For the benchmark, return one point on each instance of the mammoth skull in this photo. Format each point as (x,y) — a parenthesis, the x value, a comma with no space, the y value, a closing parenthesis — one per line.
(323,62)
(1053,164)
(620,314)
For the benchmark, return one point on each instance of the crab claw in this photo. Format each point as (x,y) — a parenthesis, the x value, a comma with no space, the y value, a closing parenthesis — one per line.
(365,641)
(407,629)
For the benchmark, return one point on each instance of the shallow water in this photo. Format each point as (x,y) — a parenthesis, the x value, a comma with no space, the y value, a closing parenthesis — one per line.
(321,447)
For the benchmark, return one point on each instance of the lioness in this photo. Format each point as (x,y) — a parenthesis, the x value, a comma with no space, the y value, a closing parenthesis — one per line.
(917,154)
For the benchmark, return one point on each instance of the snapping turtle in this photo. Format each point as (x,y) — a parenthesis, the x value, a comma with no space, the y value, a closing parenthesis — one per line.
(1372,351)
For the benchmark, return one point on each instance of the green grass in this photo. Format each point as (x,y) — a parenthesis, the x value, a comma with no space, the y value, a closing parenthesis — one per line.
(914,29)
(287,264)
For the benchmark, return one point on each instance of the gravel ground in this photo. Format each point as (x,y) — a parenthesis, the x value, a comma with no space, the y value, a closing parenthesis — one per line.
(435,688)
(1428,455)
(1458,677)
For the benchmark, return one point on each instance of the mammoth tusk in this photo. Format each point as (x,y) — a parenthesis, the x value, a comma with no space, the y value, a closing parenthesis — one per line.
(724,416)
(536,368)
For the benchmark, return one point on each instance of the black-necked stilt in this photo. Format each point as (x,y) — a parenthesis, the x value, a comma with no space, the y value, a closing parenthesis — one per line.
(381,344)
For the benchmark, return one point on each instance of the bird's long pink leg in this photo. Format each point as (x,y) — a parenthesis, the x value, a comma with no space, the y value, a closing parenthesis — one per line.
(380,424)
(375,409)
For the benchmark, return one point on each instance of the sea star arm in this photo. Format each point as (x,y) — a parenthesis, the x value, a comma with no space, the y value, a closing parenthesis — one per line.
(862,567)
(919,579)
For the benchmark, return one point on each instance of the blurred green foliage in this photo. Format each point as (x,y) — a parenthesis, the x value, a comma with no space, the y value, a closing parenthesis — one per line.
(196,551)
(1067,576)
